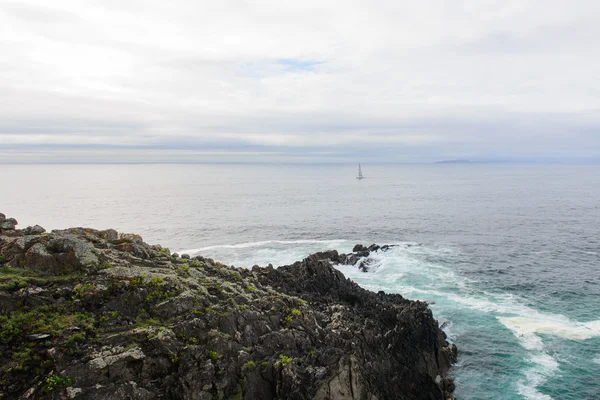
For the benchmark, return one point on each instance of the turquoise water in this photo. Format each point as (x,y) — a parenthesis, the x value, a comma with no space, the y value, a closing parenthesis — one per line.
(507,255)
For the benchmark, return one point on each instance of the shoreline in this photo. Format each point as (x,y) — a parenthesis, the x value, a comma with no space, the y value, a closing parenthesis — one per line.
(104,309)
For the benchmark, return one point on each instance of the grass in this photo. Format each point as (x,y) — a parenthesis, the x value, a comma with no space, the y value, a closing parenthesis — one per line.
(12,279)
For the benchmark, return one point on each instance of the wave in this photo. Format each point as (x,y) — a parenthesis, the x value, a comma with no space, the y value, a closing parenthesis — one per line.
(262,243)
(549,324)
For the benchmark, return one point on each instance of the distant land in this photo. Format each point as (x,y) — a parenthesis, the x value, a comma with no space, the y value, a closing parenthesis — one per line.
(454,162)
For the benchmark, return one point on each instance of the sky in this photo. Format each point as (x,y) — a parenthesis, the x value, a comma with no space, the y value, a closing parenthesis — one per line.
(299,81)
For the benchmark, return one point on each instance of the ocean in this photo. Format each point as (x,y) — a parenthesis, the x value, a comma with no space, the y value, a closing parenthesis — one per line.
(507,255)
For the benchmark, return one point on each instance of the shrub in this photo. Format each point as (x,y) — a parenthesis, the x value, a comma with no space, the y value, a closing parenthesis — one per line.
(53,381)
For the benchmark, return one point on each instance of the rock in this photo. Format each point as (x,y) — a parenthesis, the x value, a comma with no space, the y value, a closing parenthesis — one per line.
(34,230)
(8,224)
(39,258)
(2,218)
(121,319)
(358,248)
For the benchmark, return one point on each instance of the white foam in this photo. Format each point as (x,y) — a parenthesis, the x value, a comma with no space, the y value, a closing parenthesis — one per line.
(556,325)
(262,243)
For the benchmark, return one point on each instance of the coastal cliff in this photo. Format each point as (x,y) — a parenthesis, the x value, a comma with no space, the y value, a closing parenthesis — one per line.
(88,314)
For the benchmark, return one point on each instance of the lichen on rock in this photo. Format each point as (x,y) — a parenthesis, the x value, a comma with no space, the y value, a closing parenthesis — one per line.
(88,314)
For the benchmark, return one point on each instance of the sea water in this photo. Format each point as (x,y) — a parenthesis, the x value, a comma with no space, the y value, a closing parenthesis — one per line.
(508,256)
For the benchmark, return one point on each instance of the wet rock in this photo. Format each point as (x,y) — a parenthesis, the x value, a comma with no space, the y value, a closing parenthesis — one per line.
(359,248)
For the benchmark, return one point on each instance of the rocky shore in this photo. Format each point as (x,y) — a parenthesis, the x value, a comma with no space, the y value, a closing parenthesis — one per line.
(88,314)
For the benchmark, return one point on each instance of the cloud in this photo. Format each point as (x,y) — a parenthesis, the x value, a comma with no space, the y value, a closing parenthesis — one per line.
(227,81)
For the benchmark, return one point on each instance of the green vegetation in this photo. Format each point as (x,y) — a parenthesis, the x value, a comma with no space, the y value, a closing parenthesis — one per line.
(294,313)
(285,360)
(43,320)
(73,340)
(53,381)
(213,355)
(12,279)
(81,290)
(156,281)
(248,366)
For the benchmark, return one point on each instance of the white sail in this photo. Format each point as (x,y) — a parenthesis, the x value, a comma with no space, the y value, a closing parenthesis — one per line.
(360,175)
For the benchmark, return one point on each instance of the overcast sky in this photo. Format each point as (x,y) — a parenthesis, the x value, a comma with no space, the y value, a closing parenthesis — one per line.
(299,81)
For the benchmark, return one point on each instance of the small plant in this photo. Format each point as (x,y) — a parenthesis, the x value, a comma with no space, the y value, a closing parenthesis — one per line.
(114,314)
(285,360)
(295,312)
(193,340)
(250,288)
(2,260)
(248,366)
(73,340)
(81,290)
(106,265)
(213,355)
(53,381)
(156,281)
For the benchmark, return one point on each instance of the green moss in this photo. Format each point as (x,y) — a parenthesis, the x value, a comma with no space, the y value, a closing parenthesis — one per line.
(295,312)
(114,314)
(213,355)
(195,264)
(12,279)
(156,281)
(285,360)
(54,381)
(248,366)
(73,340)
(44,319)
(81,290)
(250,288)
(106,265)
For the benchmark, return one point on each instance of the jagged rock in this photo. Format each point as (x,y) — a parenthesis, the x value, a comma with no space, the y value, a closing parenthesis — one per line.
(121,319)
(359,248)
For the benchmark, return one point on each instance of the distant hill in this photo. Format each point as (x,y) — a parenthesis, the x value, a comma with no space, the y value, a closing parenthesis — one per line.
(454,162)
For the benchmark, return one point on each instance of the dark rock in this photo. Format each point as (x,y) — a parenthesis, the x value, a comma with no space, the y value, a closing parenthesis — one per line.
(8,224)
(34,230)
(359,247)
(2,218)
(121,319)
(374,247)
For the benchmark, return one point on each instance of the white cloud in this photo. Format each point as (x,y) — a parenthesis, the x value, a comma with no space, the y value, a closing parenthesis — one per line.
(474,78)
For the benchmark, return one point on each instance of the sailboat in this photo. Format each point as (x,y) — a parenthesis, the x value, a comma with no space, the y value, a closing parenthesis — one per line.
(360,175)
